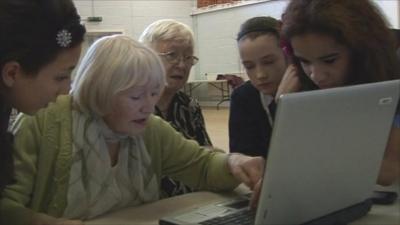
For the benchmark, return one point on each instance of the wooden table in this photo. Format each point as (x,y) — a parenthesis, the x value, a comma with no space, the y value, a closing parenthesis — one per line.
(149,214)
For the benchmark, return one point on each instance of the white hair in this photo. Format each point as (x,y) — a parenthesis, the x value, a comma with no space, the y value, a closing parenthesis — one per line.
(167,30)
(111,65)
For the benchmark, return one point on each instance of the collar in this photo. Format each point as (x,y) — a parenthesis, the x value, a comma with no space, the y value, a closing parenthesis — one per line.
(266,100)
(109,135)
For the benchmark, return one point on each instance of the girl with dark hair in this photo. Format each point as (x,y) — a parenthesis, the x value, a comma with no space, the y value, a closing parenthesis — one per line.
(252,105)
(338,43)
(40,44)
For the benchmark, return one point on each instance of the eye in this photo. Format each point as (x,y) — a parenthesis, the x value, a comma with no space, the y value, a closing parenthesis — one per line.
(330,61)
(267,62)
(61,78)
(172,55)
(248,66)
(303,61)
(189,59)
(136,96)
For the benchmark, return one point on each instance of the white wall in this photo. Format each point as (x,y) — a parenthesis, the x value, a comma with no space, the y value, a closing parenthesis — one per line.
(391,9)
(216,31)
(216,40)
(132,16)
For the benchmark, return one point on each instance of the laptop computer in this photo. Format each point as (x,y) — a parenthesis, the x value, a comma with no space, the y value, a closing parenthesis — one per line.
(323,161)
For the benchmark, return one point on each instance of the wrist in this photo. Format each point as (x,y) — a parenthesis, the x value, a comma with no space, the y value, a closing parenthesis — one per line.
(231,161)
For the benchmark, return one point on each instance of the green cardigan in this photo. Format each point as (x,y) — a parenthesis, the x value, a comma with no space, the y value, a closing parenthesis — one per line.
(43,150)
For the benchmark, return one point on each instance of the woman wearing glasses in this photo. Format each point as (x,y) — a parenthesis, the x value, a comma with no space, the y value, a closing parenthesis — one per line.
(174,43)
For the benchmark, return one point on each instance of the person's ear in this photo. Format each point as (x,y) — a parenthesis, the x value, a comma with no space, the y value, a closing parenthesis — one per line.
(10,72)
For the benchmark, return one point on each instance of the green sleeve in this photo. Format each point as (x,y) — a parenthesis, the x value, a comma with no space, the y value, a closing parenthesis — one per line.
(16,196)
(184,160)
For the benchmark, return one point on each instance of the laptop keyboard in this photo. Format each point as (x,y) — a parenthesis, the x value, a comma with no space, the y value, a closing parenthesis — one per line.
(239,204)
(243,217)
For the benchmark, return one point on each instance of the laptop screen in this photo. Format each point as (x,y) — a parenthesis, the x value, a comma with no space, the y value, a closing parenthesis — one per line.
(325,151)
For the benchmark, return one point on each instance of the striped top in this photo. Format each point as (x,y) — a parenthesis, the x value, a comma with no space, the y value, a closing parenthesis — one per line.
(184,114)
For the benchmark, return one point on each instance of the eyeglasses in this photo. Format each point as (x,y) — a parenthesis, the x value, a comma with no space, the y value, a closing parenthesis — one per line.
(175,58)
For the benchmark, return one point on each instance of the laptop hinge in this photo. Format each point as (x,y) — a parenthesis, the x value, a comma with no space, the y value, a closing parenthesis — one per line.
(344,216)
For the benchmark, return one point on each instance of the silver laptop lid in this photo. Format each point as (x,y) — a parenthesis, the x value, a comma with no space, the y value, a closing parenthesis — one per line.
(325,151)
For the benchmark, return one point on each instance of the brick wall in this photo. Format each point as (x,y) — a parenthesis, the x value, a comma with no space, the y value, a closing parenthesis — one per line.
(205,3)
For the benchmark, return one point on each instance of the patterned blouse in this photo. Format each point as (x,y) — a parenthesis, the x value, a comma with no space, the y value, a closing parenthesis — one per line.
(184,114)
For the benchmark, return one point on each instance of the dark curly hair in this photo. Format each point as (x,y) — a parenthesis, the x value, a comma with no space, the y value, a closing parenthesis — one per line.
(356,24)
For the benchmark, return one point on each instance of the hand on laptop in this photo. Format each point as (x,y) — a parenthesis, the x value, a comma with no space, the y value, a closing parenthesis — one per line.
(246,169)
(255,195)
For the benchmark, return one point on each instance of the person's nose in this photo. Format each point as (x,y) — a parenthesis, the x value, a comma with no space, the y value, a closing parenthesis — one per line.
(181,62)
(316,73)
(260,73)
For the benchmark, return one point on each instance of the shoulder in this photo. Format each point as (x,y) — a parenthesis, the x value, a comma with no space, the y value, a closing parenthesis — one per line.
(159,129)
(62,105)
(159,133)
(245,90)
(182,98)
(154,121)
(246,94)
(60,110)
(156,125)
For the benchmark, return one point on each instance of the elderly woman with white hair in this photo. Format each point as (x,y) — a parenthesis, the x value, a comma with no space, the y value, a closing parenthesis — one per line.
(174,43)
(100,148)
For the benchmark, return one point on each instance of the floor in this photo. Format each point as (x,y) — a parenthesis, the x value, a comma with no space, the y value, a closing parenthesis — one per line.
(217,126)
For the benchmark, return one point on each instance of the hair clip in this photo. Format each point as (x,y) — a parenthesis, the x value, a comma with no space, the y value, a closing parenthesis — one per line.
(64,38)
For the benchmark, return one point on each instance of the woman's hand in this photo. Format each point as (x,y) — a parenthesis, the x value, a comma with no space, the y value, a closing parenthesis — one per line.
(246,169)
(289,83)
(255,196)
